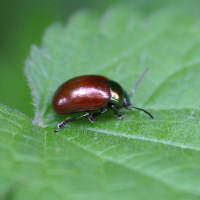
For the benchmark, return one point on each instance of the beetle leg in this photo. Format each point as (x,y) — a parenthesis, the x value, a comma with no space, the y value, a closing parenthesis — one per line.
(102,110)
(115,111)
(62,124)
(90,117)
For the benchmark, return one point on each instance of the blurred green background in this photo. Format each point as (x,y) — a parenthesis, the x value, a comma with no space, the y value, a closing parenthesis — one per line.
(22,24)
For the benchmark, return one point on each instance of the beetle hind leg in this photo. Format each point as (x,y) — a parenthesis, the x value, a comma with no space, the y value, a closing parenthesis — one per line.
(62,124)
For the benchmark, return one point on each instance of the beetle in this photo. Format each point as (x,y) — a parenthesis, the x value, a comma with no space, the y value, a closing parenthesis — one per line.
(89,93)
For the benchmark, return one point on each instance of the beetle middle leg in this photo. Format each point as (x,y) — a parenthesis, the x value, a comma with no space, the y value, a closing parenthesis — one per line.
(93,116)
(62,124)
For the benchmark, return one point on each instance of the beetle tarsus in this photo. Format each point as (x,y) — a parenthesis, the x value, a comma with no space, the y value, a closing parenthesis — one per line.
(57,130)
(91,118)
(119,116)
(60,126)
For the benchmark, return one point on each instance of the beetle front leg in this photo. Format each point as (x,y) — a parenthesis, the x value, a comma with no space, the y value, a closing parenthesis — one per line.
(115,111)
(62,124)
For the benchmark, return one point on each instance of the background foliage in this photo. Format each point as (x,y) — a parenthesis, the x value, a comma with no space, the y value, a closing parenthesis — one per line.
(22,24)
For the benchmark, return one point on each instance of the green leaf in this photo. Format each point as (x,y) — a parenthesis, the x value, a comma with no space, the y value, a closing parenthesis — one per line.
(132,158)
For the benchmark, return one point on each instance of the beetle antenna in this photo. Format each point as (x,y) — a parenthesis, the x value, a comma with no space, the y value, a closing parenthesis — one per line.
(150,115)
(144,72)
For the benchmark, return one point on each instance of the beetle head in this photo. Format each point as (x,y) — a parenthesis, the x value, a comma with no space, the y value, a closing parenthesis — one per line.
(127,101)
(128,105)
